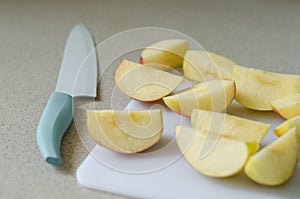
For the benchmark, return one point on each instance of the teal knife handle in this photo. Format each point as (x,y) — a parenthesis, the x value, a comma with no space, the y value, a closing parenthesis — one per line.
(55,120)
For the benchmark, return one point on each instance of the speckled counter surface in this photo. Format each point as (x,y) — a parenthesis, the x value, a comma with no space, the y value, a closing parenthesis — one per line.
(262,34)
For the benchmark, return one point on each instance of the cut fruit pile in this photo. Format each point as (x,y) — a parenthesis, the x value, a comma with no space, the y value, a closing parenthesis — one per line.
(255,89)
(217,144)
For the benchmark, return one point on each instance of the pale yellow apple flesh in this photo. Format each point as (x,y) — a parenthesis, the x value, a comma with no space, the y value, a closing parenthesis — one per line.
(214,95)
(225,157)
(287,125)
(200,65)
(125,131)
(229,125)
(256,89)
(252,145)
(160,66)
(166,52)
(144,83)
(275,163)
(287,107)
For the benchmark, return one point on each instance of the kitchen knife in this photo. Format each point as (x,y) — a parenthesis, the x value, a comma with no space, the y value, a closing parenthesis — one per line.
(77,77)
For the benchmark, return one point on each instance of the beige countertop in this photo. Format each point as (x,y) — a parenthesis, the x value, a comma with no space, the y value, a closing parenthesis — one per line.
(261,34)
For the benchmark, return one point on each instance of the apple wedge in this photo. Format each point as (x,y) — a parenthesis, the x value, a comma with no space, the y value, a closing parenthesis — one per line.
(214,95)
(256,89)
(125,131)
(229,125)
(225,156)
(275,163)
(287,107)
(144,83)
(200,65)
(287,125)
(167,52)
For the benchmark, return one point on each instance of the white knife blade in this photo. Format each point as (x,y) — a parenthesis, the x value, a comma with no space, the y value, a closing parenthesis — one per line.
(76,77)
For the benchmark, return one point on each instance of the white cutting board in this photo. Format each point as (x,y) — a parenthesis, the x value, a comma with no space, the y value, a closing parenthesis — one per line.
(165,174)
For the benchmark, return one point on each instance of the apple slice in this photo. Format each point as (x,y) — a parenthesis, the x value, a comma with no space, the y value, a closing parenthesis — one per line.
(287,107)
(200,65)
(275,163)
(214,95)
(287,125)
(144,83)
(167,52)
(229,125)
(125,131)
(225,156)
(256,89)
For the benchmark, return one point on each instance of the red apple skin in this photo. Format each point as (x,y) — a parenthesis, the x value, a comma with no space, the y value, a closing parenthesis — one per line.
(141,60)
(178,112)
(276,111)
